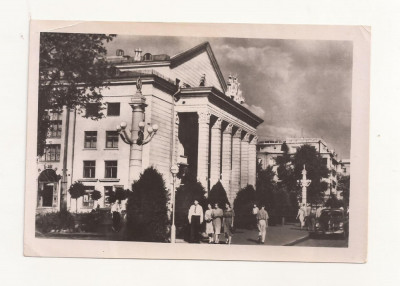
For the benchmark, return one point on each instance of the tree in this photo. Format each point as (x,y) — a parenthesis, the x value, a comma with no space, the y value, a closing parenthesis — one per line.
(285,170)
(243,206)
(282,204)
(76,191)
(218,195)
(344,187)
(189,191)
(96,195)
(147,217)
(72,73)
(316,170)
(265,187)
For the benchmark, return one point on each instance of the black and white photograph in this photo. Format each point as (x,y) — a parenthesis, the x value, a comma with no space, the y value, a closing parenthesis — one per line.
(201,142)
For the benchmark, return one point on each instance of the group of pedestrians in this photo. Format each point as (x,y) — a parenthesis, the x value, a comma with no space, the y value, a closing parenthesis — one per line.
(262,222)
(215,219)
(308,216)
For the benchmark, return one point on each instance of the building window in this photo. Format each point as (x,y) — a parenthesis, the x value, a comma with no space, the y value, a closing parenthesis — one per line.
(51,153)
(108,190)
(325,160)
(112,139)
(92,109)
(55,129)
(87,201)
(55,115)
(113,108)
(111,169)
(90,139)
(89,169)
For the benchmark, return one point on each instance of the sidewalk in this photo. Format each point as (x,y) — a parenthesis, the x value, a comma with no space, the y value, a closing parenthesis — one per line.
(276,235)
(287,234)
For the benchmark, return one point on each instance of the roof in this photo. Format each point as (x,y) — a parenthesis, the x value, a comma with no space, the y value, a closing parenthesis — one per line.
(191,53)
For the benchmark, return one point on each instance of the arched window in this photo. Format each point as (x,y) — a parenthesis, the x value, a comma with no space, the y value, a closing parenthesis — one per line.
(147,57)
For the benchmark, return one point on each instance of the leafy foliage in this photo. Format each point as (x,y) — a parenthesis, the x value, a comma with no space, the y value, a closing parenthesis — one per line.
(90,222)
(55,221)
(147,218)
(96,195)
(334,202)
(243,207)
(120,194)
(189,191)
(218,195)
(344,187)
(72,73)
(265,187)
(316,170)
(76,191)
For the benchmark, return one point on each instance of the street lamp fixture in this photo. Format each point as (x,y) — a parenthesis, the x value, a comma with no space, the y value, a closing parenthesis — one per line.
(174,171)
(142,137)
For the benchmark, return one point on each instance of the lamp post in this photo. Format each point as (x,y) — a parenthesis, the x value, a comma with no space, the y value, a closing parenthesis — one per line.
(137,138)
(174,171)
(304,183)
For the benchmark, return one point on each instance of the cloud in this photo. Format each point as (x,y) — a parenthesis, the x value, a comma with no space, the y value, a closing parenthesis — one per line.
(257,110)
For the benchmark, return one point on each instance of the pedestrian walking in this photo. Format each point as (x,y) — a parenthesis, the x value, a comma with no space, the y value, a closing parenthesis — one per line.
(195,217)
(307,217)
(116,216)
(262,219)
(301,215)
(255,212)
(217,215)
(229,216)
(209,223)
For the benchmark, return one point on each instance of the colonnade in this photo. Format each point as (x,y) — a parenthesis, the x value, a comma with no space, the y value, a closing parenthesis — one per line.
(226,153)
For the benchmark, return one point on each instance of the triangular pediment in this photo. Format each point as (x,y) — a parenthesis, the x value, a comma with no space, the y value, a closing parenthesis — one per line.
(190,65)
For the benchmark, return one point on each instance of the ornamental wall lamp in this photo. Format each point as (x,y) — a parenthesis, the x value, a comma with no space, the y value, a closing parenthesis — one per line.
(142,138)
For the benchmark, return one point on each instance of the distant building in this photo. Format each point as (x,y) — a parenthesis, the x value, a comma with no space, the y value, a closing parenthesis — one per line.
(344,167)
(202,125)
(269,150)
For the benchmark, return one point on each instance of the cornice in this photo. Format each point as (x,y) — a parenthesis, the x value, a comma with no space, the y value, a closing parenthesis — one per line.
(219,99)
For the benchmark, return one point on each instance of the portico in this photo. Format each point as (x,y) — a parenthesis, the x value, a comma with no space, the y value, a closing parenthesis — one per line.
(226,136)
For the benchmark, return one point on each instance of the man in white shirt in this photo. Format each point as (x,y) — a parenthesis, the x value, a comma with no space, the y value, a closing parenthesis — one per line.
(195,217)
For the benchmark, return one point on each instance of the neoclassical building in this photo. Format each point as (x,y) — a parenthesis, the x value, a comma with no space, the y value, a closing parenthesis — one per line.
(199,119)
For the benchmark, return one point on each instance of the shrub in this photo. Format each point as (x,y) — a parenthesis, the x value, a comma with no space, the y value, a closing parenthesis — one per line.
(147,218)
(218,195)
(90,222)
(243,207)
(55,221)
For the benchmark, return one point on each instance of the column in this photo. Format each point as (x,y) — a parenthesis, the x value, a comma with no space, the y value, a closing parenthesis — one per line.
(235,175)
(253,161)
(175,140)
(244,167)
(203,148)
(215,164)
(227,157)
(135,157)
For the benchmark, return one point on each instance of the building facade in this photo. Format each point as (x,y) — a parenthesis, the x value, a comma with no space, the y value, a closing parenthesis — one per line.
(201,121)
(269,150)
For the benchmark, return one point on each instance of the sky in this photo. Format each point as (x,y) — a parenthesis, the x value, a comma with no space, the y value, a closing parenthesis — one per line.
(300,88)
